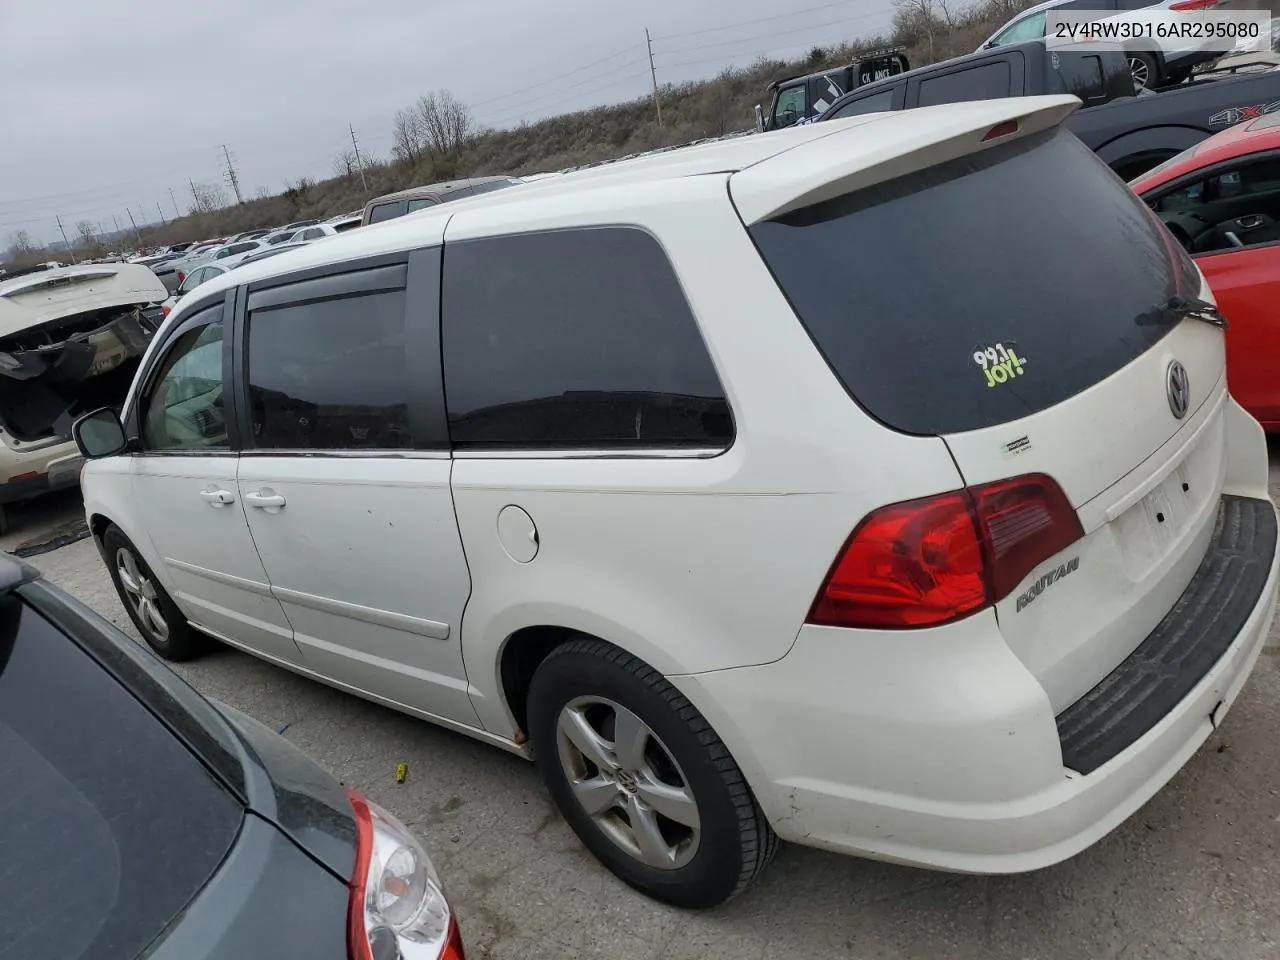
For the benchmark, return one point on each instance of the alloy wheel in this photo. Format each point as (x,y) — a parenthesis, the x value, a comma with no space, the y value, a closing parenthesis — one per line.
(628,782)
(1141,74)
(142,595)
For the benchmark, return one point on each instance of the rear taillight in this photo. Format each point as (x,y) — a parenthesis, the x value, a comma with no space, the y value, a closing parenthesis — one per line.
(165,309)
(1194,5)
(397,908)
(931,561)
(181,276)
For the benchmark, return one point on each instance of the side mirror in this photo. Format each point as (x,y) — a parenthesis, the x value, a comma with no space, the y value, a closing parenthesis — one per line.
(759,119)
(99,434)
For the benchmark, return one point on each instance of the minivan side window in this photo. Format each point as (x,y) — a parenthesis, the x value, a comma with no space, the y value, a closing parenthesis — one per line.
(330,374)
(987,82)
(184,409)
(575,339)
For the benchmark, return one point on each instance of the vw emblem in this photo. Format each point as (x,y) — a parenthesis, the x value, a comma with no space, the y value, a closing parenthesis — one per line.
(1178,388)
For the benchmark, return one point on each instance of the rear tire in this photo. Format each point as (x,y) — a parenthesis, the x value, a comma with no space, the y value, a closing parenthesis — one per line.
(156,616)
(663,805)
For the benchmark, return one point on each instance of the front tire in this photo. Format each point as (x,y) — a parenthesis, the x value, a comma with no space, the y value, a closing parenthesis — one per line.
(1144,69)
(156,616)
(642,778)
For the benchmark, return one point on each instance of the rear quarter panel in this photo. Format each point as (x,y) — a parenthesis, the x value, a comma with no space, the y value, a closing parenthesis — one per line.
(692,564)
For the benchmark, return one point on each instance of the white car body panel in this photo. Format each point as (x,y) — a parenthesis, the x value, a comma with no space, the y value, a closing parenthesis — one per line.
(932,746)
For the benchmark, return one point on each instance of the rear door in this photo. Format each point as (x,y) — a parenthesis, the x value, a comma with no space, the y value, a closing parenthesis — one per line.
(345,478)
(1012,305)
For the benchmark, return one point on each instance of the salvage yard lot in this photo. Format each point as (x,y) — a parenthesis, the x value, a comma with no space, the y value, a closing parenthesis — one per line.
(1194,874)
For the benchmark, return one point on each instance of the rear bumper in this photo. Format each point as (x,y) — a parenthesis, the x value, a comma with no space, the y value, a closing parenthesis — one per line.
(939,749)
(38,471)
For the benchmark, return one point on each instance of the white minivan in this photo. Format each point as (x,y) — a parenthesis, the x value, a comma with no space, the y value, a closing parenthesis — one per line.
(872,485)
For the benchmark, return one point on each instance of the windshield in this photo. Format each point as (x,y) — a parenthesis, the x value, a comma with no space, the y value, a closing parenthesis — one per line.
(981,290)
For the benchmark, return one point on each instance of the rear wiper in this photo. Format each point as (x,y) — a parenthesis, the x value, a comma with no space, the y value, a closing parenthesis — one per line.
(1179,307)
(1195,308)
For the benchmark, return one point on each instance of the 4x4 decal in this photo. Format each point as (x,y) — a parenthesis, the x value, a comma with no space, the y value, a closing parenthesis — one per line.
(1233,115)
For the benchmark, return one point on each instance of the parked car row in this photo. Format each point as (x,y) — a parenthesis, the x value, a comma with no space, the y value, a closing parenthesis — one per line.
(686,596)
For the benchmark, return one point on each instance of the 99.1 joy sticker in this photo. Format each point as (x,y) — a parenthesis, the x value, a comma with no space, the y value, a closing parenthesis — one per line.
(999,363)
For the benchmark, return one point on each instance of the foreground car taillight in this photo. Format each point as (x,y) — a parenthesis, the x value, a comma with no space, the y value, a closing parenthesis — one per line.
(398,910)
(931,561)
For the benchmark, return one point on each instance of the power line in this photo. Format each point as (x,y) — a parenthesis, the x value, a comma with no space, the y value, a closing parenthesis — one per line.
(525,88)
(92,192)
(747,23)
(800,47)
(526,108)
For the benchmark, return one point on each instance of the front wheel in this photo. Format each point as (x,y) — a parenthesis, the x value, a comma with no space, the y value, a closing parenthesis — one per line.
(642,778)
(1144,68)
(156,616)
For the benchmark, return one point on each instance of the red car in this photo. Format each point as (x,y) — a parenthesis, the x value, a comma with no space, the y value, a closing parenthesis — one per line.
(1221,199)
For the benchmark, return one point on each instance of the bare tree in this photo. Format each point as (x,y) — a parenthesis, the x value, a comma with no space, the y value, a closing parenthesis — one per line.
(406,137)
(208,198)
(21,244)
(445,123)
(87,230)
(948,17)
(916,20)
(261,193)
(345,164)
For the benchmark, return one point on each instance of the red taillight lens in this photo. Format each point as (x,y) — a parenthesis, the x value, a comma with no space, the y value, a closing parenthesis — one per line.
(1023,522)
(1193,5)
(181,276)
(165,310)
(935,560)
(397,908)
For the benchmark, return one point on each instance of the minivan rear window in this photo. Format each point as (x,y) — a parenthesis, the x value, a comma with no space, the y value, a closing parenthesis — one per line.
(981,290)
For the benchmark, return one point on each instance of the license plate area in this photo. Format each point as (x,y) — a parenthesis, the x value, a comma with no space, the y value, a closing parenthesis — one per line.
(1153,527)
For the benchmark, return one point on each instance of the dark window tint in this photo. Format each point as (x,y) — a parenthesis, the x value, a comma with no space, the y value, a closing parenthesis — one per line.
(388,211)
(575,339)
(875,103)
(1032,249)
(1133,4)
(987,82)
(109,825)
(1091,76)
(330,375)
(420,204)
(824,91)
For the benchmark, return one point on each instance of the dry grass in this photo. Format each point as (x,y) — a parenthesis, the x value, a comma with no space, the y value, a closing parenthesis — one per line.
(690,111)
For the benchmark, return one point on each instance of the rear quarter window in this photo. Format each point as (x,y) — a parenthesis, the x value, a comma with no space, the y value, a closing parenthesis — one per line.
(990,81)
(1032,249)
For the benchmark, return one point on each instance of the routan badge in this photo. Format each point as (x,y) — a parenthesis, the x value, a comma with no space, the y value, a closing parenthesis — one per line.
(1000,363)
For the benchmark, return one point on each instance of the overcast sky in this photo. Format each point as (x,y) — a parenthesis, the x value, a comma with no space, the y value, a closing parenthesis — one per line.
(108,105)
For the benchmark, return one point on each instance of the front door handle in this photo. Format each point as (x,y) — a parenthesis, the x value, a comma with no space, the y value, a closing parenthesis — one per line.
(264,501)
(217,497)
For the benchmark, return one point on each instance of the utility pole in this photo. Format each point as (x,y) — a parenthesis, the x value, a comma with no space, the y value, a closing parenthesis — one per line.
(231,175)
(117,223)
(359,163)
(163,221)
(136,232)
(64,238)
(176,211)
(653,73)
(194,196)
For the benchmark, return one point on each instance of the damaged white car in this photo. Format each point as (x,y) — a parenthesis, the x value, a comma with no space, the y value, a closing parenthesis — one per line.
(70,341)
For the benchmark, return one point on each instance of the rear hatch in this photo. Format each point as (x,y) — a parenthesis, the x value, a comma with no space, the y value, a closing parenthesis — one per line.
(70,341)
(1011,299)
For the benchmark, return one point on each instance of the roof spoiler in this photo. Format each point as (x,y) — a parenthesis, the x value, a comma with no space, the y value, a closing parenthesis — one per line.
(862,151)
